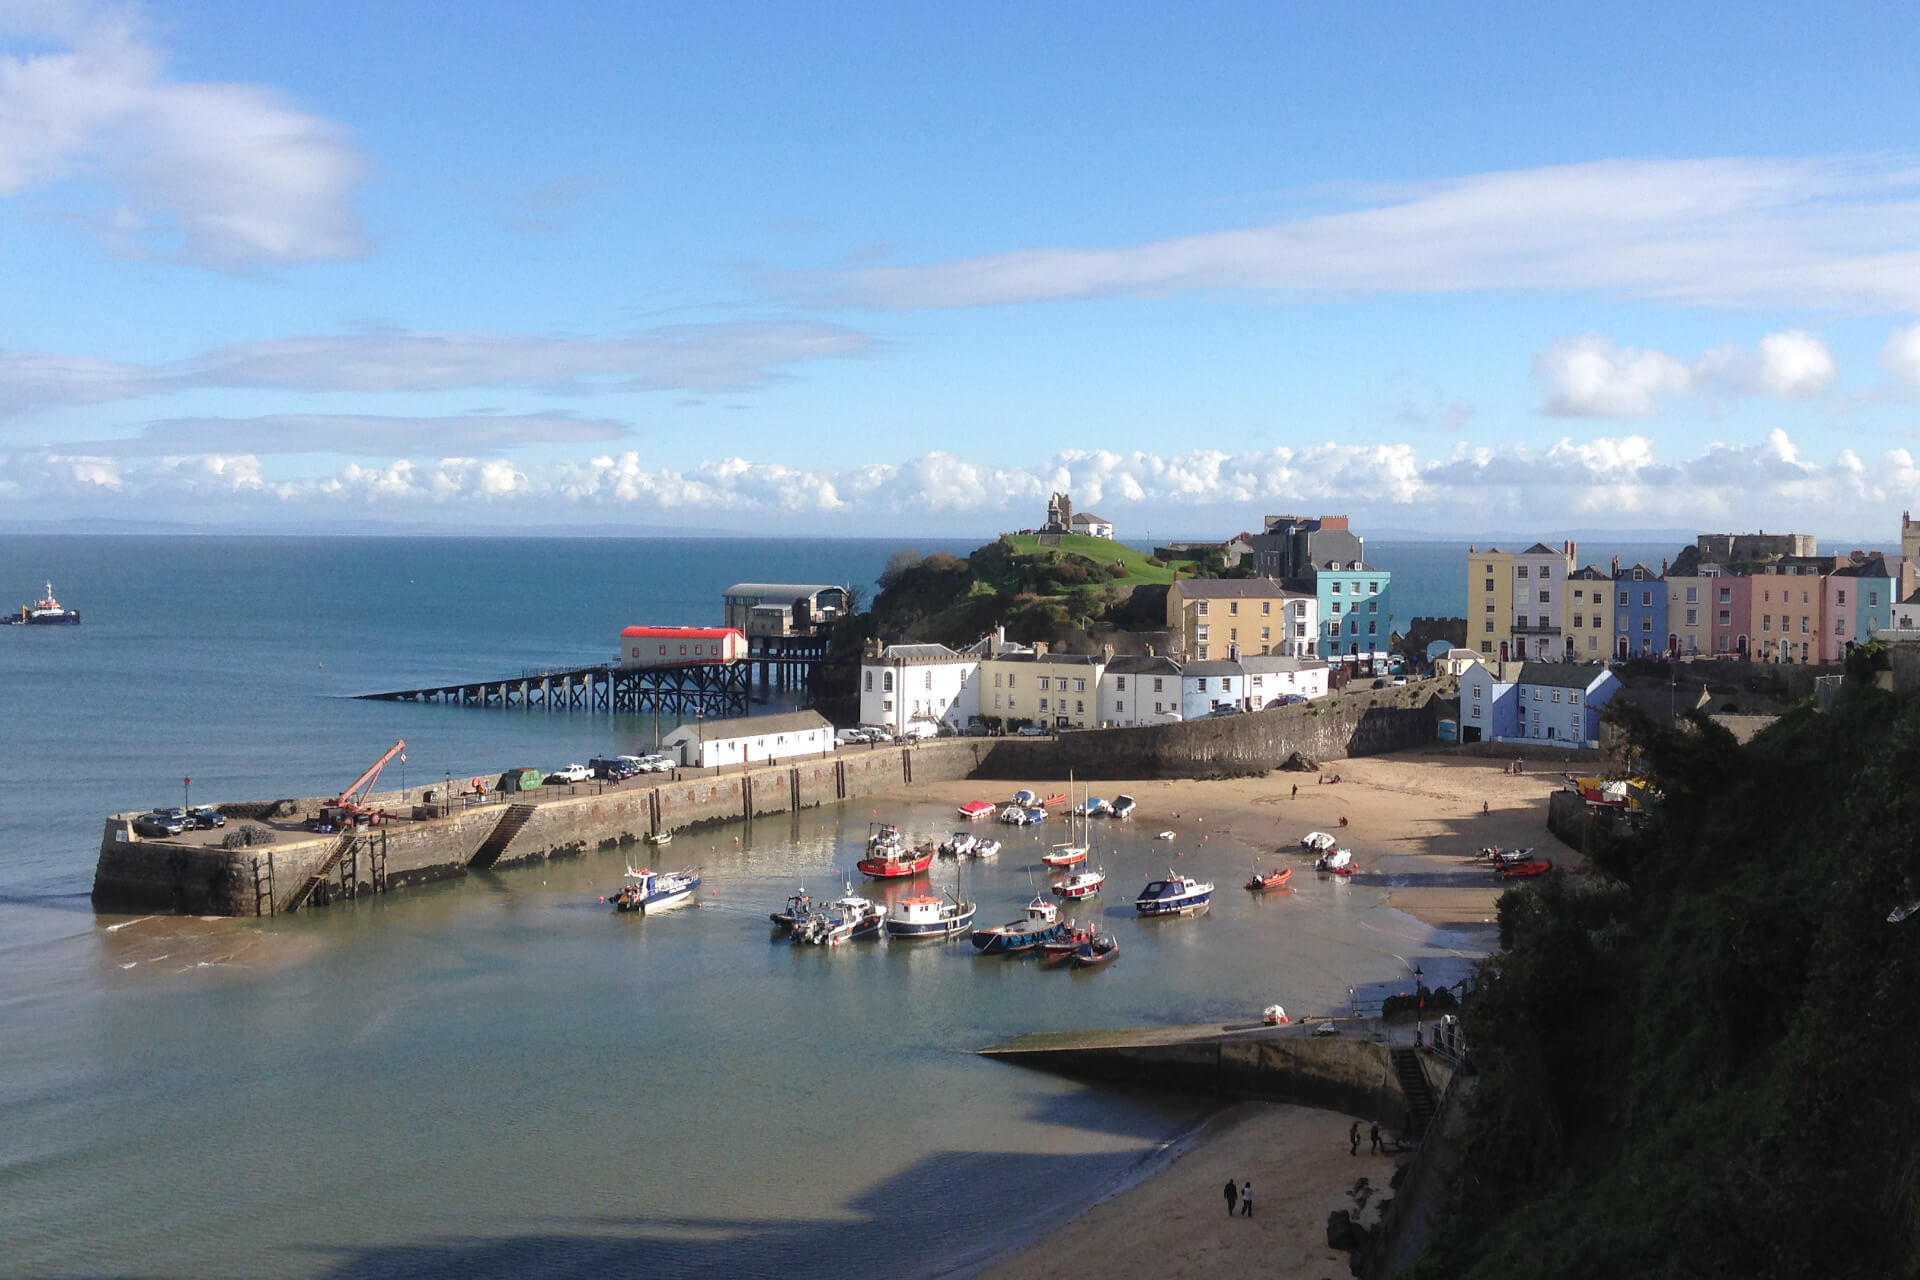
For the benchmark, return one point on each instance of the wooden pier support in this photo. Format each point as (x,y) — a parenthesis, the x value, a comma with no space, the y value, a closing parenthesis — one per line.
(714,690)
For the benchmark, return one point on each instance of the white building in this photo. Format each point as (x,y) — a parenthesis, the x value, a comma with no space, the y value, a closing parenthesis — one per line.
(750,739)
(1139,690)
(1271,678)
(1556,702)
(1091,525)
(1539,599)
(1207,687)
(925,683)
(1454,662)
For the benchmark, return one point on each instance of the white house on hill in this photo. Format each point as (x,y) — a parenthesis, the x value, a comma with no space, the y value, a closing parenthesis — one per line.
(1091,525)
(928,684)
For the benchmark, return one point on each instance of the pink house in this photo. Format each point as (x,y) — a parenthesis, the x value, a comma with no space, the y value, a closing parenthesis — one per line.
(1729,613)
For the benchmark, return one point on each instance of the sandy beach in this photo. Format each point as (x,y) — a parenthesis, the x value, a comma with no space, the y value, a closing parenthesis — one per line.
(1405,814)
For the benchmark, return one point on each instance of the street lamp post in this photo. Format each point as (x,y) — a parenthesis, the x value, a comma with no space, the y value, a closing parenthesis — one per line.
(1420,1005)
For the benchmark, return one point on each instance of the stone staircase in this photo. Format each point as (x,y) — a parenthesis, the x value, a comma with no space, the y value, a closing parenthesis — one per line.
(502,835)
(1421,1103)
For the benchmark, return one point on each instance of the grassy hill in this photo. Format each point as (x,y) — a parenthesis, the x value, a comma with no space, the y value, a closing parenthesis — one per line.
(1103,551)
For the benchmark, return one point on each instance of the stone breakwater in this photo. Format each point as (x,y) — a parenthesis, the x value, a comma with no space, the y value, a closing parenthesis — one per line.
(195,873)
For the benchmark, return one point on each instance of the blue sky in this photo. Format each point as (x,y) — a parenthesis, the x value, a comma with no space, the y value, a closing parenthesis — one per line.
(898,269)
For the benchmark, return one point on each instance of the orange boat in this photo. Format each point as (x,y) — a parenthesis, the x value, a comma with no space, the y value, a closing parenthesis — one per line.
(1276,880)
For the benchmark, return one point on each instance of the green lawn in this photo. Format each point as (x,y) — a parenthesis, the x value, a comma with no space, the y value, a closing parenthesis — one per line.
(1104,551)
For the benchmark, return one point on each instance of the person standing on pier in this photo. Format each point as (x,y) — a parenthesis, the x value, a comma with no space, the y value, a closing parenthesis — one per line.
(1233,1197)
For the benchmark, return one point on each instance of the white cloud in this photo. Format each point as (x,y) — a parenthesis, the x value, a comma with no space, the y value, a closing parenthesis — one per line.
(219,175)
(1605,481)
(719,356)
(1831,233)
(1901,358)
(363,434)
(1590,377)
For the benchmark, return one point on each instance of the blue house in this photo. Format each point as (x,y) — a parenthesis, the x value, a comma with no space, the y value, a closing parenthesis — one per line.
(1557,702)
(1356,613)
(1639,612)
(1207,687)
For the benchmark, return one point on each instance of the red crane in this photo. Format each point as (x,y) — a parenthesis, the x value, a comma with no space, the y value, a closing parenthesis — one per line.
(350,797)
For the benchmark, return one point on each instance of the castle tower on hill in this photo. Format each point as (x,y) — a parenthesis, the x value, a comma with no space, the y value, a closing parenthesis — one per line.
(1059,514)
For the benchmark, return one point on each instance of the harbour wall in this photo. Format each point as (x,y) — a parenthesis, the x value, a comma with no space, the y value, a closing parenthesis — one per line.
(1351,1074)
(1363,722)
(193,874)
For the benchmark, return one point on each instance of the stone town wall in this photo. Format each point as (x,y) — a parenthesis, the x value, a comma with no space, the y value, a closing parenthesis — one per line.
(1363,722)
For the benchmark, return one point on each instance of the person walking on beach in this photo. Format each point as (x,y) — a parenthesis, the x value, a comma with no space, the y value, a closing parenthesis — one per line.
(1353,1139)
(1246,1199)
(1233,1196)
(1377,1147)
(1296,791)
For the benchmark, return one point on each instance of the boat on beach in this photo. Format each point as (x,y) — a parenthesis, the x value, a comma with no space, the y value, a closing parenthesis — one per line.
(974,810)
(1025,798)
(1338,861)
(1123,806)
(1524,870)
(645,890)
(1271,880)
(959,844)
(925,916)
(1040,922)
(1317,842)
(45,612)
(1177,895)
(1015,816)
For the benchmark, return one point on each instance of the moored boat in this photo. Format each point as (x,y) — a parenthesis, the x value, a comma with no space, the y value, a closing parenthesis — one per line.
(1065,855)
(799,907)
(1052,800)
(895,863)
(1123,806)
(1271,880)
(1036,817)
(1015,816)
(959,844)
(984,849)
(1523,870)
(974,810)
(1317,842)
(1081,884)
(1094,807)
(845,919)
(1025,798)
(1338,861)
(928,916)
(1098,949)
(645,890)
(1038,924)
(1057,951)
(1176,895)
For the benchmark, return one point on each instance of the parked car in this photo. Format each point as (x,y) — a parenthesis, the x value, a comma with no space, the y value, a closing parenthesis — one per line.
(206,817)
(847,737)
(920,729)
(570,773)
(657,763)
(613,768)
(1032,731)
(158,824)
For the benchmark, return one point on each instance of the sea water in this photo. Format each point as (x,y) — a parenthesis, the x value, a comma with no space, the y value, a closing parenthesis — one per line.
(502,1075)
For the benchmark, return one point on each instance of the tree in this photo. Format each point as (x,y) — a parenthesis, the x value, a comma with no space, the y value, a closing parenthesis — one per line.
(898,563)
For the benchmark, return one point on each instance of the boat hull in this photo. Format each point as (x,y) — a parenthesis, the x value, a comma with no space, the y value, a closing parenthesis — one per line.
(1020,935)
(894,868)
(921,930)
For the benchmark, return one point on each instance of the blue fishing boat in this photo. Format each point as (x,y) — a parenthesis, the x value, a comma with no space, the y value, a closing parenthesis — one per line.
(656,890)
(926,916)
(1041,923)
(1176,895)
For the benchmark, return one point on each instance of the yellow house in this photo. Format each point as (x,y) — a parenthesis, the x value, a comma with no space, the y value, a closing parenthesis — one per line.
(1589,614)
(1489,600)
(1055,690)
(1216,617)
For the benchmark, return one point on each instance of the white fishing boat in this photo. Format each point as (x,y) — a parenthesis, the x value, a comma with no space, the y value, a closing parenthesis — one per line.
(959,844)
(1177,895)
(925,916)
(984,849)
(645,890)
(845,919)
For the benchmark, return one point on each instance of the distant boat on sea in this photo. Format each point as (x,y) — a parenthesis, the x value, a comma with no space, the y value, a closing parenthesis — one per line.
(46,612)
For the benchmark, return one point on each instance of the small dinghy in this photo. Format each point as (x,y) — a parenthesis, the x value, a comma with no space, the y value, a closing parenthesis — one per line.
(1024,798)
(799,907)
(984,849)
(1122,806)
(1164,835)
(1098,949)
(1524,870)
(1317,842)
(1273,880)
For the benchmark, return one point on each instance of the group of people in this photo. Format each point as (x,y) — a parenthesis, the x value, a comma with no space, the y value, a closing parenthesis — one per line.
(1516,765)
(1353,1139)
(1241,1195)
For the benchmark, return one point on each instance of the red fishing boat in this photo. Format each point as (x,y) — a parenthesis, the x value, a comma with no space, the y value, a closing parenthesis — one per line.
(895,863)
(1522,870)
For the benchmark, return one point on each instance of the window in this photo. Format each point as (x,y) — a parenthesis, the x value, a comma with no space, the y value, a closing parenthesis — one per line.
(1489,608)
(1373,606)
(1373,588)
(1043,704)
(1803,624)
(1520,572)
(1336,608)
(1202,685)
(1233,608)
(1839,626)
(1233,634)
(1623,599)
(1726,618)
(1300,628)
(1843,597)
(1579,621)
(1556,695)
(683,651)
(886,681)
(1120,705)
(1873,599)
(1766,622)
(996,679)
(663,651)
(1334,589)
(1373,628)
(1079,684)
(1489,584)
(1693,617)
(1120,683)
(929,678)
(1156,684)
(1079,707)
(1266,633)
(1593,644)
(1546,597)
(1766,597)
(869,682)
(1646,599)
(1545,572)
(1544,623)
(1266,607)
(1646,624)
(1489,626)
(1476,711)
(1574,698)
(1693,595)
(1202,654)
(1011,677)
(1353,628)
(1200,609)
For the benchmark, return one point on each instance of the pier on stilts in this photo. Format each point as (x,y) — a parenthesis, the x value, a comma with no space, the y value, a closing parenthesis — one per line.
(786,662)
(714,690)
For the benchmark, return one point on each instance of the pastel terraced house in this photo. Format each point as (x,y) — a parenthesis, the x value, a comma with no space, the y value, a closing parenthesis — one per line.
(1219,617)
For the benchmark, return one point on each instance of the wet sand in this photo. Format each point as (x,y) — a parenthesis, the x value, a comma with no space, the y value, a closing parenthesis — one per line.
(1410,818)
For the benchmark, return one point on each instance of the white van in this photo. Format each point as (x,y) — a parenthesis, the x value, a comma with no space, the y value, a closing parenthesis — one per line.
(917,729)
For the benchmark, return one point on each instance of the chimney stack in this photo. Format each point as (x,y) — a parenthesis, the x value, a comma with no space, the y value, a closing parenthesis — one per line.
(1616,566)
(1039,648)
(1106,653)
